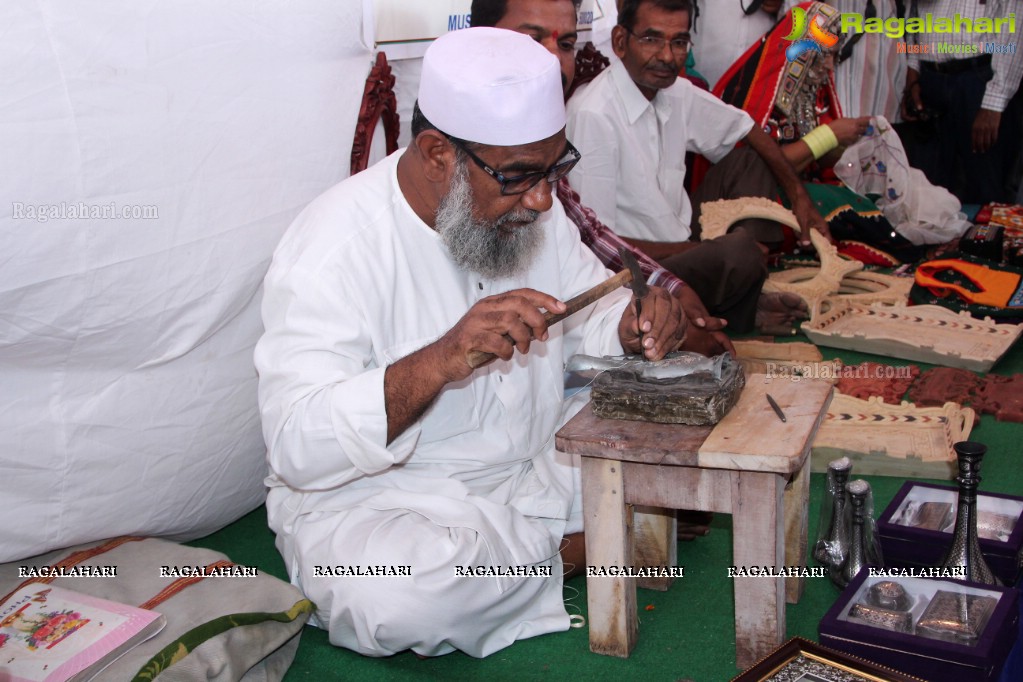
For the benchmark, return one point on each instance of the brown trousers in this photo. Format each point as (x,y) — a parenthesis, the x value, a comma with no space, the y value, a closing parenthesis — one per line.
(728,273)
(742,173)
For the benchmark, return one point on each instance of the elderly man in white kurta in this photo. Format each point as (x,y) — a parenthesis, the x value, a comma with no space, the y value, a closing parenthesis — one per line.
(388,452)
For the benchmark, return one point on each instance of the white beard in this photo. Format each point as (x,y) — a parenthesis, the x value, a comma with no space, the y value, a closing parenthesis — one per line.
(486,247)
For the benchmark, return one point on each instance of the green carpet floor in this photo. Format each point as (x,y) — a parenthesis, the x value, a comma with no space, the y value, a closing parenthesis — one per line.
(686,633)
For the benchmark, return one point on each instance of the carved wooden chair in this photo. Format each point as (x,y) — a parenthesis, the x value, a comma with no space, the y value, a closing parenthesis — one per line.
(589,62)
(378,104)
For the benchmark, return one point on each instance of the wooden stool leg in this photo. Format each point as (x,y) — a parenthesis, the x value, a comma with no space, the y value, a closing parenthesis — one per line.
(610,600)
(797,508)
(655,543)
(758,540)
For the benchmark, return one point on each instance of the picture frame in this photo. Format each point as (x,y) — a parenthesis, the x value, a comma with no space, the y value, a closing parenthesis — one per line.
(800,660)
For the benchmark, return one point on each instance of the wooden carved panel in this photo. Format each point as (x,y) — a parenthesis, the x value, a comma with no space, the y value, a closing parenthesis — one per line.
(1002,397)
(940,385)
(783,360)
(589,62)
(856,285)
(378,103)
(717,216)
(836,276)
(873,379)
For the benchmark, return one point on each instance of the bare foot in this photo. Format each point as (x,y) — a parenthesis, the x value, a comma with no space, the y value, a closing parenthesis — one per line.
(778,312)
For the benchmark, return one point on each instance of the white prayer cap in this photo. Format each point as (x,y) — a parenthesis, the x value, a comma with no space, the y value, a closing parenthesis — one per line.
(492,86)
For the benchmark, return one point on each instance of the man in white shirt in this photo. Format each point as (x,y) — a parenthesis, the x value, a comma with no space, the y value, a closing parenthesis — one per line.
(635,122)
(967,91)
(399,472)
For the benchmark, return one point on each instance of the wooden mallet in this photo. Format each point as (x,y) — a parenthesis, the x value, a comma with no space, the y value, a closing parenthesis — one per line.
(573,305)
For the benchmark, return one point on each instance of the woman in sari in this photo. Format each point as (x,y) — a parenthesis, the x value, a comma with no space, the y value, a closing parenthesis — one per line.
(794,101)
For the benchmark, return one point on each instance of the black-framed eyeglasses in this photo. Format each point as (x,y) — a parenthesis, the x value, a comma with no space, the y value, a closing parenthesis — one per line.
(679,45)
(519,184)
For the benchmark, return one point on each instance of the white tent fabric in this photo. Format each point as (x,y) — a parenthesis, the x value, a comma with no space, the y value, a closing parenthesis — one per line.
(127,389)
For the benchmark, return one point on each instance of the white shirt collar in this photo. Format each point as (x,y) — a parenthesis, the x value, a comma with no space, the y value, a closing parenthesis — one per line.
(633,99)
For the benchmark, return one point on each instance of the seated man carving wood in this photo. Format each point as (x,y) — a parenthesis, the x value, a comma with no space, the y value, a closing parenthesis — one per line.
(386,448)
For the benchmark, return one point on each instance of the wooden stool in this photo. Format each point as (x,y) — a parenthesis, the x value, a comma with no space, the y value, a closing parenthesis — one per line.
(750,465)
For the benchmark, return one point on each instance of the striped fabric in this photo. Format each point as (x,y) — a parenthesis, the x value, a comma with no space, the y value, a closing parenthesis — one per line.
(84,555)
(1008,68)
(605,243)
(74,559)
(181,583)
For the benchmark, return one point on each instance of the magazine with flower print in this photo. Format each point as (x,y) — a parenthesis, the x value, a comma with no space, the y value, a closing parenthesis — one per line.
(52,634)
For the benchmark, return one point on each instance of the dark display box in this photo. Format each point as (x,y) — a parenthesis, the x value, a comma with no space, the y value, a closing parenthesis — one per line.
(910,535)
(941,630)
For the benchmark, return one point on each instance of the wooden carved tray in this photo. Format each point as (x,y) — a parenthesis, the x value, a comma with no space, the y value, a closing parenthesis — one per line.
(855,286)
(816,283)
(921,333)
(892,440)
